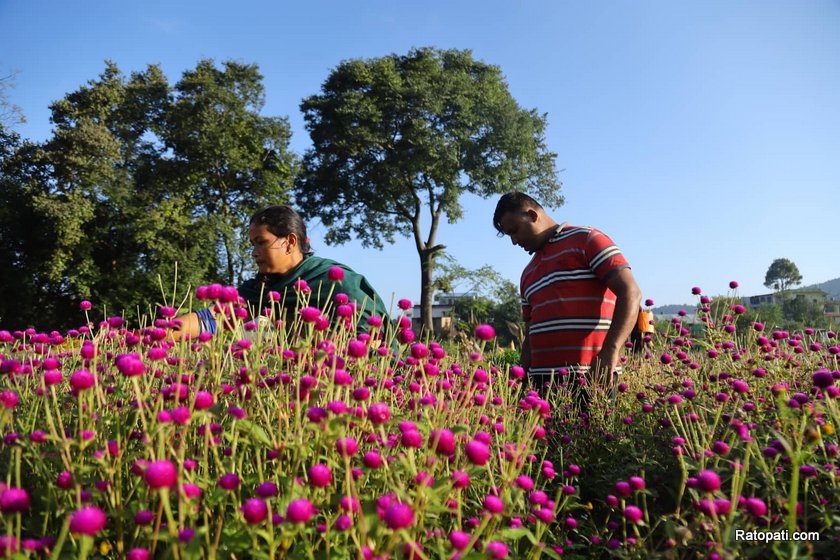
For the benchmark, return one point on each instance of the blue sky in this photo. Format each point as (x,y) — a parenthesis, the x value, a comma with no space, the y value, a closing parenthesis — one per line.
(703,137)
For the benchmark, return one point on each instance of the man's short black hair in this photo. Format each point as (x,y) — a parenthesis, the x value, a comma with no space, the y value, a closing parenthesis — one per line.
(512,202)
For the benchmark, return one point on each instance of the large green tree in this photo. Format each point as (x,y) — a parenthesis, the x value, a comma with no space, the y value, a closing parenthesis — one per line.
(399,139)
(229,158)
(139,177)
(781,275)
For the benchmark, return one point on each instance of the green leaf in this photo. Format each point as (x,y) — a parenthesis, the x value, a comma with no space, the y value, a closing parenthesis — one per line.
(254,431)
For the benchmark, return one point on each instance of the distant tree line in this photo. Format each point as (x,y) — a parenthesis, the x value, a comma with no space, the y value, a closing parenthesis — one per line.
(141,176)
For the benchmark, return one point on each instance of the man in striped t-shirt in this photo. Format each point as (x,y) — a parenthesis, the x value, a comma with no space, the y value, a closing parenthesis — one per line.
(579,297)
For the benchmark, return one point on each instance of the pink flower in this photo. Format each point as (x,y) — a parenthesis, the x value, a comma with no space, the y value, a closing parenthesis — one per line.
(372,460)
(81,380)
(343,522)
(477,452)
(161,474)
(822,378)
(138,554)
(648,302)
(637,483)
(14,500)
(203,400)
(9,399)
(708,481)
(229,481)
(460,479)
(494,504)
(346,446)
(496,550)
(267,490)
(404,304)
(756,506)
(88,520)
(412,438)
(632,514)
(300,511)
(85,305)
(320,476)
(378,413)
(444,441)
(255,511)
(696,291)
(459,539)
(399,516)
(356,349)
(335,273)
(485,332)
(191,491)
(310,314)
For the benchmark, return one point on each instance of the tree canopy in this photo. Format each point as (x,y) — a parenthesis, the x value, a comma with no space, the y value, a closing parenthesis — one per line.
(781,275)
(400,139)
(138,178)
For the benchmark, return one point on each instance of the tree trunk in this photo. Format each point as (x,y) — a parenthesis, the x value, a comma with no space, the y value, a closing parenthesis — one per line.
(426,291)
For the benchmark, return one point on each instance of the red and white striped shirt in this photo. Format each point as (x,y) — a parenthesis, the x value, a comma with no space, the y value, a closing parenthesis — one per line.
(565,299)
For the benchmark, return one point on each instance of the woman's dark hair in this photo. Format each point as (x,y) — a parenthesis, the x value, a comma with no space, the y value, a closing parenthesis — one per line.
(512,202)
(282,220)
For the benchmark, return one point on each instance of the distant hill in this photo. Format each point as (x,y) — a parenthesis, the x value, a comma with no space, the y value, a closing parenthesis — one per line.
(673,309)
(831,287)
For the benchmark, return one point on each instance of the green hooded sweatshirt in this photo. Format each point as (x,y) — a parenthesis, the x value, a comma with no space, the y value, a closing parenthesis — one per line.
(314,271)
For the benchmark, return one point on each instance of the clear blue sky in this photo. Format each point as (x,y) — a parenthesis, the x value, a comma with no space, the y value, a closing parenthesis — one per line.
(704,137)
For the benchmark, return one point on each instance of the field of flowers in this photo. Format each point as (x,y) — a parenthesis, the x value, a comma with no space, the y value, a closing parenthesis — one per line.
(313,441)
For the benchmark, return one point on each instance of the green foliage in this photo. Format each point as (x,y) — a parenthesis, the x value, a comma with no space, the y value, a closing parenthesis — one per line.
(137,179)
(782,274)
(405,135)
(801,313)
(490,299)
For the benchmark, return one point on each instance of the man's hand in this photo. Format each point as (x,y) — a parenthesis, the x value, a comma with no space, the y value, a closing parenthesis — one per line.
(603,366)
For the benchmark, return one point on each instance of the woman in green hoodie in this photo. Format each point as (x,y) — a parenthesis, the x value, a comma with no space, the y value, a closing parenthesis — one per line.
(288,270)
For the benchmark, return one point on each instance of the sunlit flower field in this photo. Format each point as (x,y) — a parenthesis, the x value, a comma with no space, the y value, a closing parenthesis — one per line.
(310,440)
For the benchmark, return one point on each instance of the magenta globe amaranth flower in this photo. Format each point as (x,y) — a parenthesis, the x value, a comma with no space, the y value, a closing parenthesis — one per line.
(485,332)
(708,481)
(320,476)
(346,446)
(443,441)
(161,474)
(300,511)
(82,380)
(130,365)
(494,504)
(459,539)
(14,500)
(144,517)
(229,481)
(255,510)
(335,273)
(632,514)
(496,550)
(404,304)
(477,452)
(9,399)
(398,516)
(88,520)
(822,378)
(378,413)
(138,554)
(267,490)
